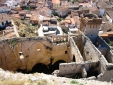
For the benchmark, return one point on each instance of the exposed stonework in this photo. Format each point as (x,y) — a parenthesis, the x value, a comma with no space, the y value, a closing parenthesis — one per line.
(80,55)
(83,57)
(34,50)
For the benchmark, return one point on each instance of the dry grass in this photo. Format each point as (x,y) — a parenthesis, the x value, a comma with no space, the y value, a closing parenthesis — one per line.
(25,27)
(11,82)
(22,82)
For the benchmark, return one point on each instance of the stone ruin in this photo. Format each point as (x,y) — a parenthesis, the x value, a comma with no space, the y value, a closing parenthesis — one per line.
(68,56)
(74,55)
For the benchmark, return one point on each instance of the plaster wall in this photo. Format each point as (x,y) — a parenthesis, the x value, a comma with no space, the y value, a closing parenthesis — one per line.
(109,56)
(74,52)
(79,43)
(34,50)
(90,51)
(91,31)
(103,63)
(76,67)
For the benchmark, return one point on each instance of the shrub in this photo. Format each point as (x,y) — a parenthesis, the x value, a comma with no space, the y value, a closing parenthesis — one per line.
(74,82)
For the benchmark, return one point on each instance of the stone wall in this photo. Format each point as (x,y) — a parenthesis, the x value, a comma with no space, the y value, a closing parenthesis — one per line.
(70,68)
(34,50)
(90,51)
(109,56)
(74,51)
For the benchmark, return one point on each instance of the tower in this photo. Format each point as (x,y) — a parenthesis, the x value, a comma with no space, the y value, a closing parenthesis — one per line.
(90,25)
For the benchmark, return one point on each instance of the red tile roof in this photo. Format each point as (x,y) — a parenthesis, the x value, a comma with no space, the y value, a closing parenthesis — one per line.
(56,1)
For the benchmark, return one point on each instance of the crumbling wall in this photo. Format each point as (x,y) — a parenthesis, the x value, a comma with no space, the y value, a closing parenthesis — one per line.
(34,50)
(70,68)
(74,52)
(104,49)
(8,60)
(90,51)
(103,63)
(79,43)
(77,67)
(107,75)
(109,56)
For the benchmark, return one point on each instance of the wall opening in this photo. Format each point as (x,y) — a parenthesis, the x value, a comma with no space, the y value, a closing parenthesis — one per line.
(42,68)
(93,71)
(65,52)
(74,59)
(55,66)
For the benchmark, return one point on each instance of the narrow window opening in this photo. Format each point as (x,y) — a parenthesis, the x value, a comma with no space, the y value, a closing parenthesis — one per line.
(65,52)
(74,60)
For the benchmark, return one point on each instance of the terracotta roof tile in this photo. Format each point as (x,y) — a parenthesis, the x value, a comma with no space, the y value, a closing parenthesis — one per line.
(56,1)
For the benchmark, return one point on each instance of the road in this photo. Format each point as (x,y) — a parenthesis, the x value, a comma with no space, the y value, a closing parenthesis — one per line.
(15,29)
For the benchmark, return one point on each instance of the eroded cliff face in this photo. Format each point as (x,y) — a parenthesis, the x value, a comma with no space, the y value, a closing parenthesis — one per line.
(24,53)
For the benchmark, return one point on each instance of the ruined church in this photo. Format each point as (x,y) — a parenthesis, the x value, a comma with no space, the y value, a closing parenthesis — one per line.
(83,53)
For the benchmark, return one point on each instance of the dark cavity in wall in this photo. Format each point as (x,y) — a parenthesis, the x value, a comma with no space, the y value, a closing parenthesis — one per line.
(93,71)
(42,68)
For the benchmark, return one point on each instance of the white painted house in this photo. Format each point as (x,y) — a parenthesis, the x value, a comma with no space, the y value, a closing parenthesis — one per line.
(12,3)
(4,9)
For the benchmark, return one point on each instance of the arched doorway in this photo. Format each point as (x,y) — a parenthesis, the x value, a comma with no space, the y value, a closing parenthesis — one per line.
(41,68)
(55,66)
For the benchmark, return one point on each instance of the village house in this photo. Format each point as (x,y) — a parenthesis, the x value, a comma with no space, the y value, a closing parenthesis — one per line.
(23,13)
(62,11)
(64,3)
(4,20)
(41,1)
(15,10)
(73,5)
(81,1)
(74,13)
(45,11)
(56,4)
(83,10)
(95,10)
(23,3)
(12,3)
(34,17)
(69,22)
(49,4)
(102,6)
(50,22)
(32,5)
(39,5)
(75,16)
(4,9)
(49,27)
(70,5)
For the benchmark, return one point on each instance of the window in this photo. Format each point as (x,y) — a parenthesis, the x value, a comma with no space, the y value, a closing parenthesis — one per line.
(65,52)
(38,47)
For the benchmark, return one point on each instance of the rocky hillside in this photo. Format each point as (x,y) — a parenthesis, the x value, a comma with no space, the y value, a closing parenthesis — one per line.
(9,78)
